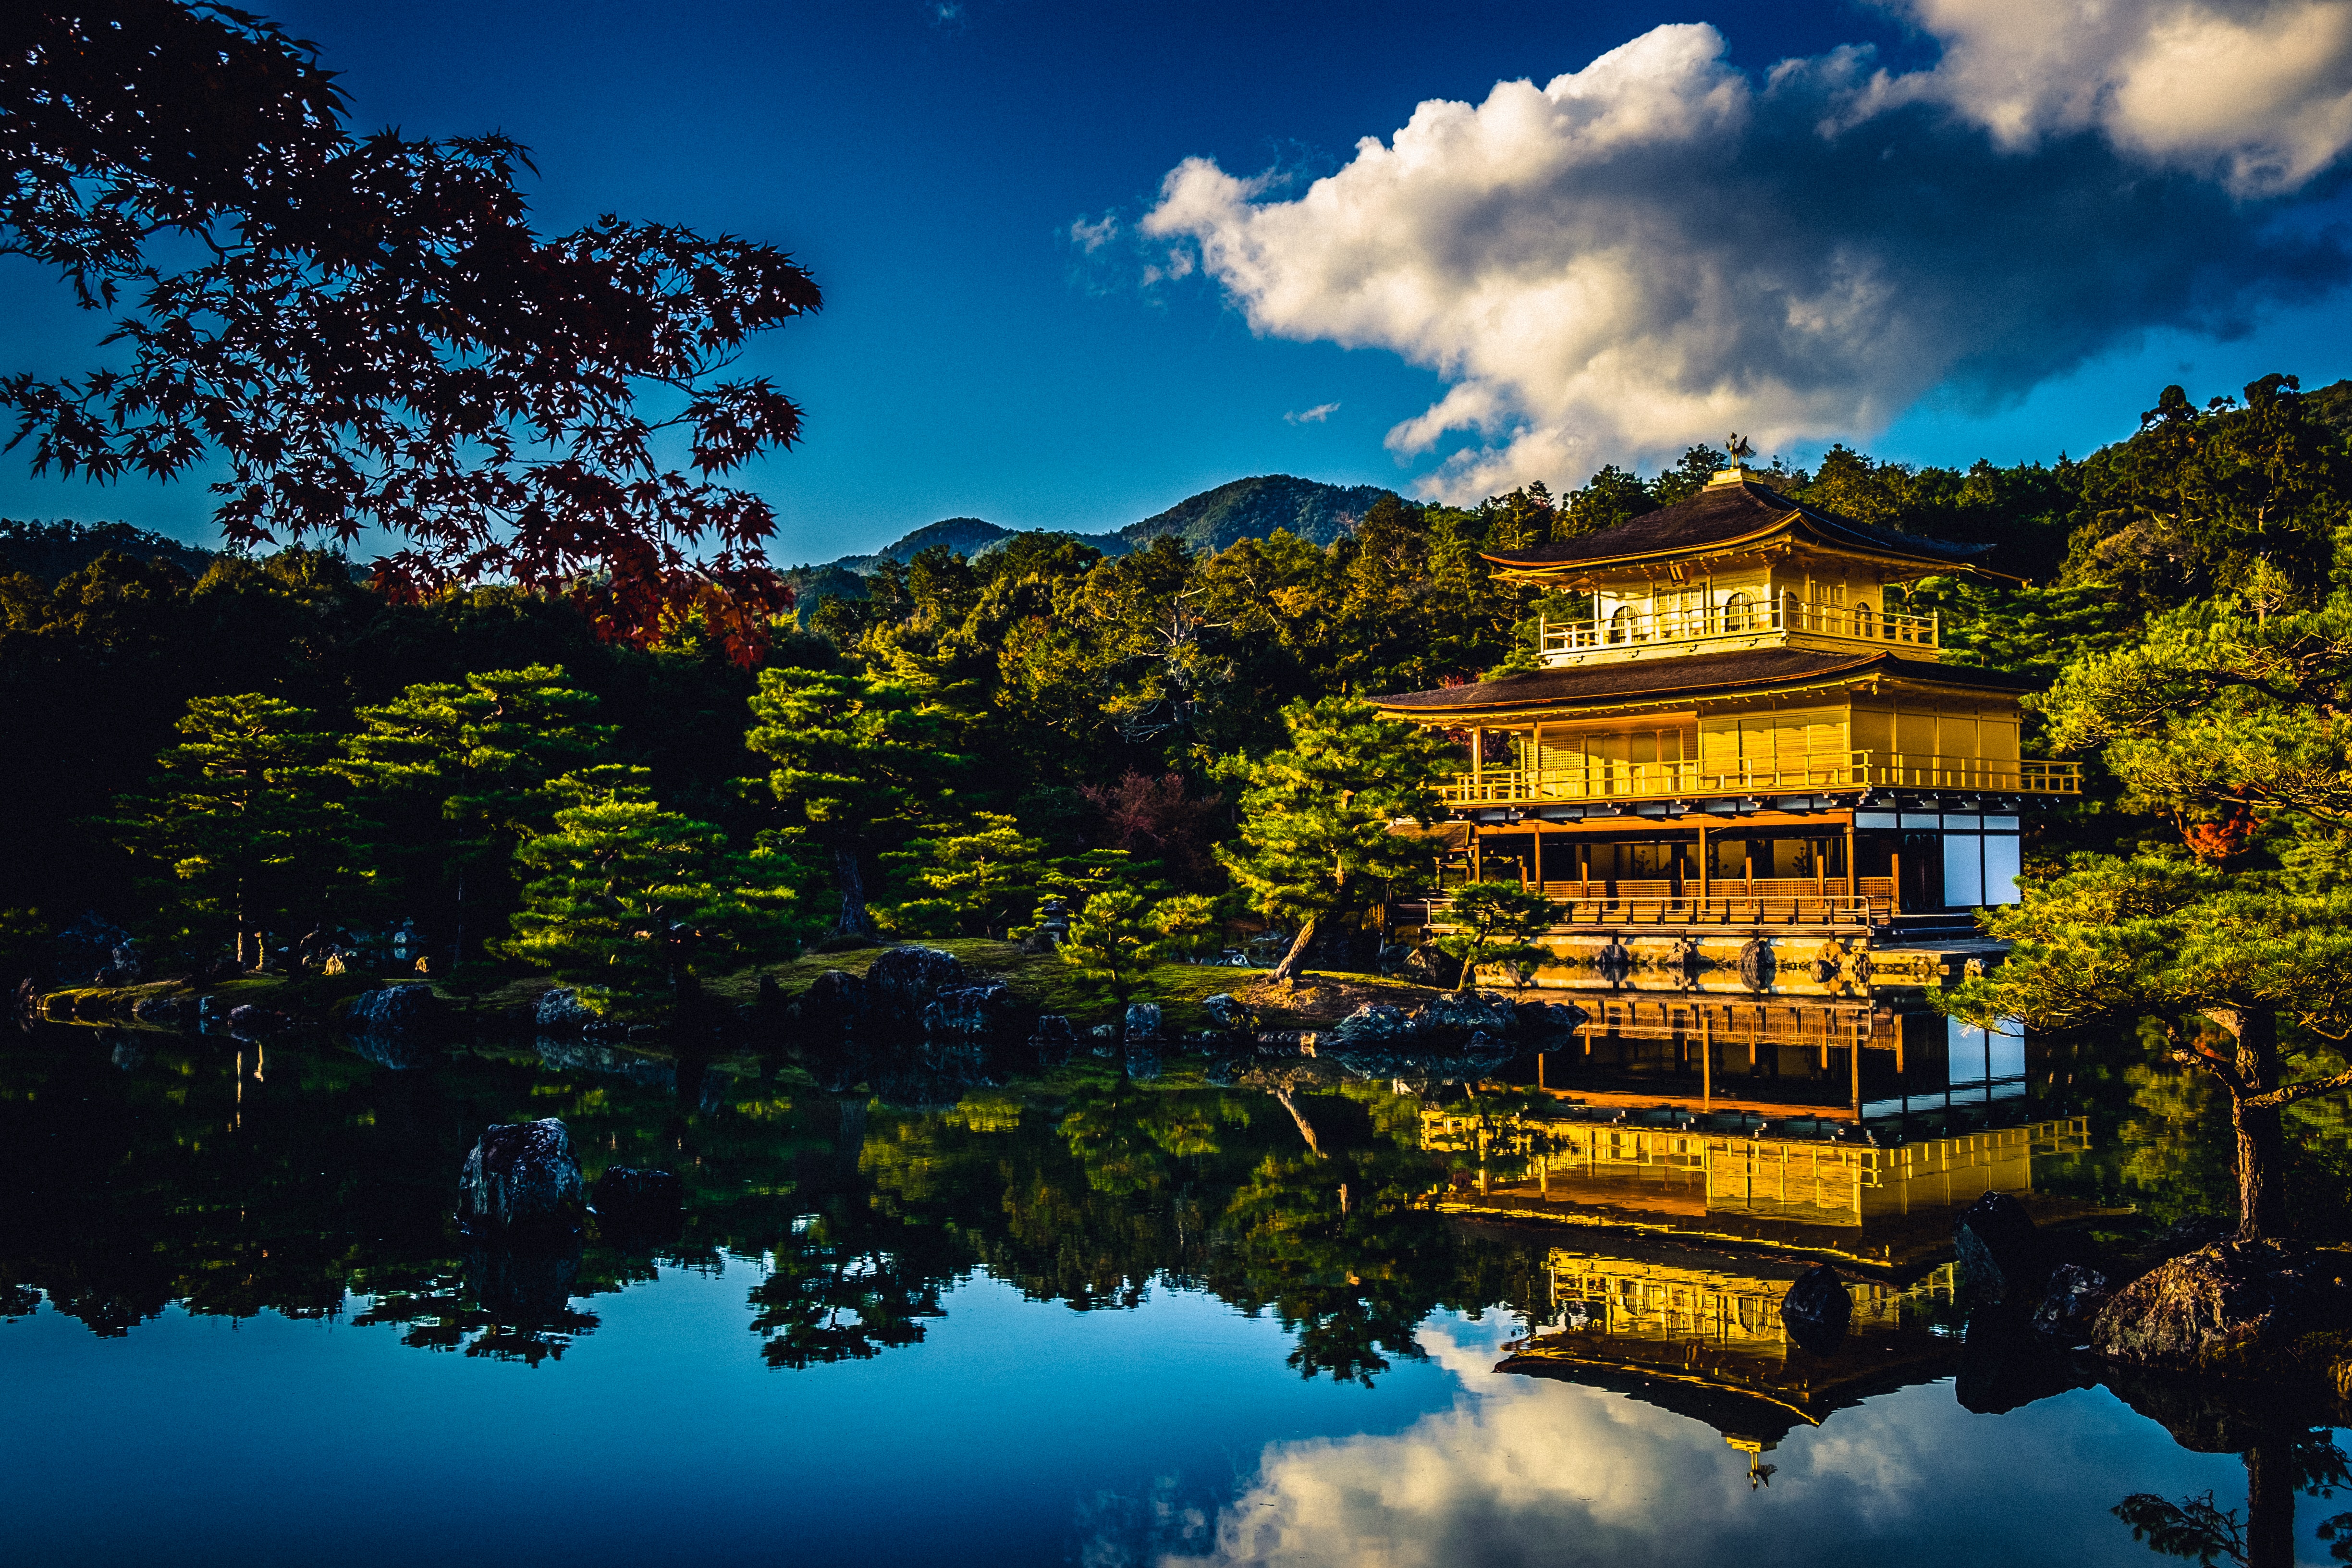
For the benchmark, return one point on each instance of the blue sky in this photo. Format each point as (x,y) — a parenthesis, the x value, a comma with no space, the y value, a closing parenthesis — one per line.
(932,163)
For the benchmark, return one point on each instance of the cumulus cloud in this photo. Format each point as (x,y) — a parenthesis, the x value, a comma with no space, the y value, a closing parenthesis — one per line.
(1657,248)
(2259,95)
(1521,1470)
(1315,416)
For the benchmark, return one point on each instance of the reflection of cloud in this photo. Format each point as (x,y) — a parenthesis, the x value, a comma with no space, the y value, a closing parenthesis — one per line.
(1315,416)
(1524,1470)
(1659,248)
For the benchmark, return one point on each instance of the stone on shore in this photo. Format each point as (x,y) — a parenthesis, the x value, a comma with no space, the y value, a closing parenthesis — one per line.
(1471,1012)
(1373,1023)
(394,1008)
(250,1022)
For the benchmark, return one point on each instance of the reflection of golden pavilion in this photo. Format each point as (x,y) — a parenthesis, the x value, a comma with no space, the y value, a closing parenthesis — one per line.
(1893,1207)
(1780,1056)
(1700,1333)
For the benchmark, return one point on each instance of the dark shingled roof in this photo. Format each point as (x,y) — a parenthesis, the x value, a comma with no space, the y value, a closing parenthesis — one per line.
(1687,675)
(1719,513)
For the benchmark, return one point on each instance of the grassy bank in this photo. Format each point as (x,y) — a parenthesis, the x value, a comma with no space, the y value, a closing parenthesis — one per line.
(1042,982)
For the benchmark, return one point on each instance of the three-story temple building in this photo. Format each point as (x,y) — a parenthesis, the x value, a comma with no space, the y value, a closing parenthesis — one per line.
(1745,738)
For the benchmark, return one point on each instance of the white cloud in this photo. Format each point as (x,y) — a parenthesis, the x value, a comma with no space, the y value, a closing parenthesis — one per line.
(2260,95)
(1315,416)
(1527,1470)
(1090,236)
(1655,250)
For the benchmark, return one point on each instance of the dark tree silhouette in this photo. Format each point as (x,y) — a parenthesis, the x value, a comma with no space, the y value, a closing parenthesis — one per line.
(374,334)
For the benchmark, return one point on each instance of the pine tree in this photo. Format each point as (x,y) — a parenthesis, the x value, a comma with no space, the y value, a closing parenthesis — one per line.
(1114,942)
(976,883)
(1314,841)
(628,898)
(454,776)
(1493,922)
(862,761)
(241,815)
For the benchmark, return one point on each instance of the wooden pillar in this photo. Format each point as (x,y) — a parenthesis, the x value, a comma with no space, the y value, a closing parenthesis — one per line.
(1852,882)
(1702,865)
(1854,1049)
(1706,1063)
(1538,853)
(1478,764)
(1896,865)
(1539,1069)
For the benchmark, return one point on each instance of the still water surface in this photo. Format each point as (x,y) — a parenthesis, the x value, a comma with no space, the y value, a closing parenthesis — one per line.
(1096,1321)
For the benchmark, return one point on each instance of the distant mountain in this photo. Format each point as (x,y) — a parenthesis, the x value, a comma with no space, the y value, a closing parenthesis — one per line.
(967,536)
(1246,509)
(51,551)
(1253,509)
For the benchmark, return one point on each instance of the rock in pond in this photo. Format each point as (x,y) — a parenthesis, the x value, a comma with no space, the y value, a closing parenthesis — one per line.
(1053,1041)
(394,1008)
(2002,1260)
(2070,1304)
(521,1176)
(1143,1021)
(2248,1309)
(1816,1309)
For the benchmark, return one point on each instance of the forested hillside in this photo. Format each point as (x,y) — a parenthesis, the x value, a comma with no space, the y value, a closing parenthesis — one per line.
(1081,700)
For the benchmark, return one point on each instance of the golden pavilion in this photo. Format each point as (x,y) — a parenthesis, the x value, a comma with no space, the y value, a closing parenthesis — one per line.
(1745,733)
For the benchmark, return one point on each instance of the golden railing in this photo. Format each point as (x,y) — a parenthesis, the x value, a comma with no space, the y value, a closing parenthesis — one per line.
(1627,628)
(1727,902)
(1603,779)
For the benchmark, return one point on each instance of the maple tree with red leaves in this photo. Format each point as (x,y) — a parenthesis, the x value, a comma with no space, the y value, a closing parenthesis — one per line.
(378,338)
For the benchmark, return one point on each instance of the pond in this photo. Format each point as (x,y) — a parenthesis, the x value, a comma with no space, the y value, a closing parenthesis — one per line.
(1084,1320)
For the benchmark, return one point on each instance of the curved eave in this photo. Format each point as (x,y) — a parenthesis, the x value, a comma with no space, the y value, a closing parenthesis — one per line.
(1864,673)
(1826,536)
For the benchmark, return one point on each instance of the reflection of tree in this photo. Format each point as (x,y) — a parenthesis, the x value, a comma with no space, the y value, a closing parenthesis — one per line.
(445,1314)
(829,1299)
(2278,1466)
(1344,1253)
(188,1178)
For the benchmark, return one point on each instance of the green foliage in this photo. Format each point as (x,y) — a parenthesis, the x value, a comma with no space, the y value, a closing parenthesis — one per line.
(628,899)
(978,882)
(1115,941)
(1315,840)
(1492,924)
(2155,936)
(240,820)
(862,760)
(453,776)
(2198,499)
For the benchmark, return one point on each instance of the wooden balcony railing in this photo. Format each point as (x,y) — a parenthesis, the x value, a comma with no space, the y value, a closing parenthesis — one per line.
(1596,779)
(1626,628)
(1728,900)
